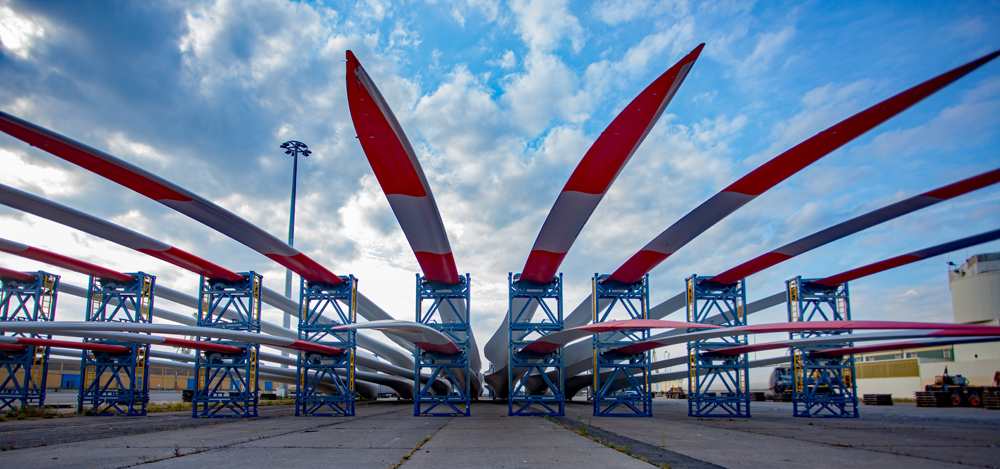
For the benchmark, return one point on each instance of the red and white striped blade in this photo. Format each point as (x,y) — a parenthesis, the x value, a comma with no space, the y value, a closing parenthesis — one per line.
(586,187)
(842,338)
(60,260)
(74,327)
(855,225)
(908,345)
(777,170)
(805,326)
(21,342)
(400,175)
(599,168)
(421,335)
(111,232)
(7,273)
(914,256)
(169,194)
(553,341)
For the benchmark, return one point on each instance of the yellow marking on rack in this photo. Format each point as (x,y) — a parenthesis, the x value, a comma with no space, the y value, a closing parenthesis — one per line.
(350,383)
(147,287)
(37,369)
(596,372)
(140,369)
(799,372)
(692,362)
(253,371)
(690,298)
(593,301)
(88,375)
(201,380)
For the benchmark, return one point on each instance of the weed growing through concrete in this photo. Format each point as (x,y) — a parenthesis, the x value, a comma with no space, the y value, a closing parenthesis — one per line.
(24,413)
(583,432)
(421,443)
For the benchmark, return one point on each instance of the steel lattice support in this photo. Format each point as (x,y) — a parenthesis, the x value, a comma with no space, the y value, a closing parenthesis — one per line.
(730,373)
(117,384)
(627,301)
(321,308)
(25,370)
(432,298)
(824,386)
(227,383)
(523,297)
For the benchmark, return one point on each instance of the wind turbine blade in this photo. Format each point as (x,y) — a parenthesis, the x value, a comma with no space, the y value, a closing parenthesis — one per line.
(777,170)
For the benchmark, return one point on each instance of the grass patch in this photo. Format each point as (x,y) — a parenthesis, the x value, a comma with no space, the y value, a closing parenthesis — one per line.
(25,413)
(168,407)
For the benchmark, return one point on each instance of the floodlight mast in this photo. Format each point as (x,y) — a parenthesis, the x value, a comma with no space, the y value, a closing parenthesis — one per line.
(294,148)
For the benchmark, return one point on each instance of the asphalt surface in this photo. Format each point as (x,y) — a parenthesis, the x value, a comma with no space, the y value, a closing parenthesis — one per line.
(385,434)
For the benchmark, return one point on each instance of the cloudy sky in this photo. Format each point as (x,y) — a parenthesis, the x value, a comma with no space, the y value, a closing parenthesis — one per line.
(501,100)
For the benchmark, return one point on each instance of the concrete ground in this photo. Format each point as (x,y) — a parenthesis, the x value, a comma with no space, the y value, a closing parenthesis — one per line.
(386,434)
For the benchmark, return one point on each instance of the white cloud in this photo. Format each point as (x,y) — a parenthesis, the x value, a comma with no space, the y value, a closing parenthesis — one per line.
(374,9)
(543,24)
(460,9)
(769,46)
(675,38)
(31,176)
(507,61)
(619,11)
(18,33)
(400,36)
(548,89)
(248,43)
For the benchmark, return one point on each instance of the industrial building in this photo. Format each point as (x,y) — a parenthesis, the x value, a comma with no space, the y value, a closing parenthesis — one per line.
(975,299)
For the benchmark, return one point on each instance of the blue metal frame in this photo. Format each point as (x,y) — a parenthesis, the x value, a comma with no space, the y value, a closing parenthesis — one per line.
(824,386)
(215,370)
(321,308)
(117,384)
(489,389)
(26,370)
(705,299)
(522,329)
(454,368)
(627,301)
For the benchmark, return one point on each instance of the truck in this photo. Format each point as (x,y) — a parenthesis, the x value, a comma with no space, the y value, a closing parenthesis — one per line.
(781,384)
(954,391)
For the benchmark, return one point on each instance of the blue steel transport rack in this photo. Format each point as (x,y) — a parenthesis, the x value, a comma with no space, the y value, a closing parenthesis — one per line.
(524,297)
(824,386)
(627,301)
(25,370)
(227,383)
(489,389)
(321,308)
(731,373)
(117,384)
(454,368)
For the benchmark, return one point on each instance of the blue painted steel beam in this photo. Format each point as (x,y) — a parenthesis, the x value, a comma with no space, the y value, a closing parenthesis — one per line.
(522,329)
(705,299)
(117,384)
(625,301)
(445,307)
(322,308)
(226,384)
(823,386)
(32,299)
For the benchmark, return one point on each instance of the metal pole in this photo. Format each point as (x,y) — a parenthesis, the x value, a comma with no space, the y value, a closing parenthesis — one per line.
(293,148)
